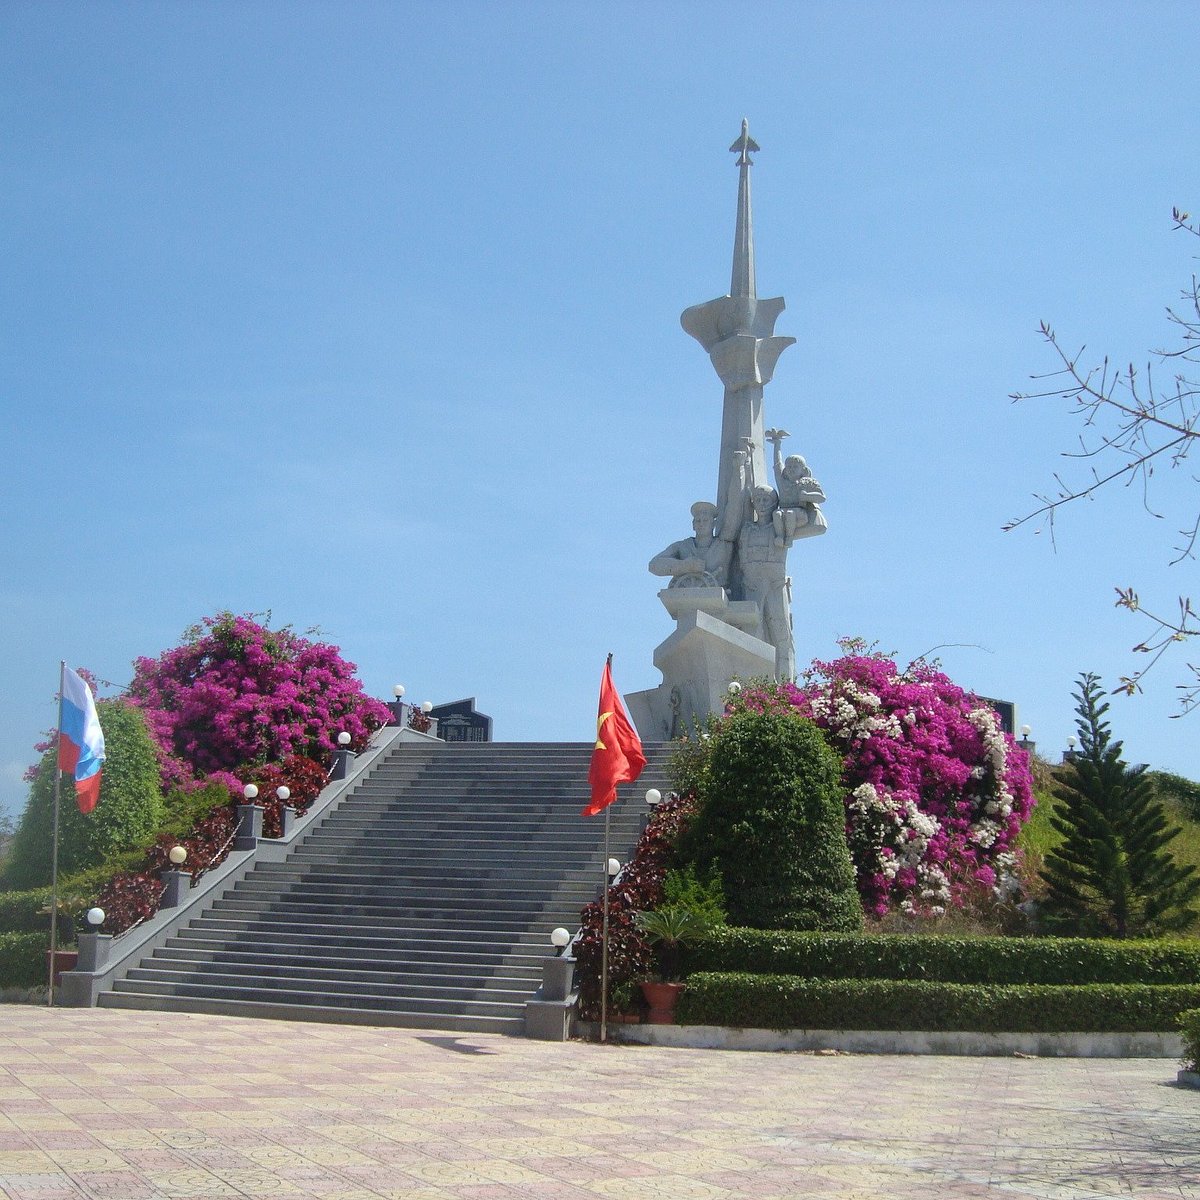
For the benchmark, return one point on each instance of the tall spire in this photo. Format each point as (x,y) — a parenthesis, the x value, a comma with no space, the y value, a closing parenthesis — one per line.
(738,332)
(742,282)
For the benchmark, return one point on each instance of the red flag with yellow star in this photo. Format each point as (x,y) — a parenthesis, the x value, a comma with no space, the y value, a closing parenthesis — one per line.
(618,756)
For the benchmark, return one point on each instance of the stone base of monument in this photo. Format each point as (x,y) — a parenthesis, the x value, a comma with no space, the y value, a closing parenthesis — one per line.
(710,646)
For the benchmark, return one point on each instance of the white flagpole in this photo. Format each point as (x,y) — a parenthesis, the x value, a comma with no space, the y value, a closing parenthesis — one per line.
(604,939)
(62,684)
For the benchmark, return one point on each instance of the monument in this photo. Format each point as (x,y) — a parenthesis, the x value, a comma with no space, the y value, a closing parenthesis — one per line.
(729,591)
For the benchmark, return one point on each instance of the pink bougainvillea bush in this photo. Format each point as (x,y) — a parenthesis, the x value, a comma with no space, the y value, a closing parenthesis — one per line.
(936,792)
(238,694)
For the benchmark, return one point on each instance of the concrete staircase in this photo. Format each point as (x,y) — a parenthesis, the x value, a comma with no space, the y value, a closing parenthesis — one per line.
(425,899)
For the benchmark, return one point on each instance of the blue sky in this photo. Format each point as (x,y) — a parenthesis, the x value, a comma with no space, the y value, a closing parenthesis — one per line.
(368,314)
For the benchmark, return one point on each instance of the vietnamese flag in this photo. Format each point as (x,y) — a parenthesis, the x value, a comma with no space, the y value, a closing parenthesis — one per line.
(80,739)
(617,757)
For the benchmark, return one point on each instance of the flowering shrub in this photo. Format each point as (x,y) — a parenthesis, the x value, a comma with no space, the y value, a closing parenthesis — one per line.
(132,896)
(237,693)
(936,792)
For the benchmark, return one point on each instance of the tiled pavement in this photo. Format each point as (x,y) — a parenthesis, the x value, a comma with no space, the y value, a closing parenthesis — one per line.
(137,1105)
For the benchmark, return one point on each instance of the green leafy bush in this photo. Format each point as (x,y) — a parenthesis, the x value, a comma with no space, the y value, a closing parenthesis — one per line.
(23,959)
(129,811)
(20,912)
(984,960)
(786,1002)
(1185,792)
(770,819)
(700,893)
(1189,1024)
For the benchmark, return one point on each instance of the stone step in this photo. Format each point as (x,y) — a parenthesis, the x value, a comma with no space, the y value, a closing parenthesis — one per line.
(432,956)
(449,1004)
(303,1009)
(378,985)
(411,915)
(382,889)
(332,871)
(426,898)
(277,926)
(414,970)
(383,846)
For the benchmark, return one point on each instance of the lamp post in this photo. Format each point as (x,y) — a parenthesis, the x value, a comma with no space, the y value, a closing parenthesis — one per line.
(1070,754)
(1025,743)
(177,881)
(250,817)
(342,757)
(93,945)
(558,972)
(287,814)
(397,705)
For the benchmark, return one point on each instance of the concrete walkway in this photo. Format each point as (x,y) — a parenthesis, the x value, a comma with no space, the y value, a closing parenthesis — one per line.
(135,1105)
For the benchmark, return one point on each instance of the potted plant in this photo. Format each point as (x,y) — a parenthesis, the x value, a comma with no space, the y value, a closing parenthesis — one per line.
(625,1006)
(668,929)
(68,910)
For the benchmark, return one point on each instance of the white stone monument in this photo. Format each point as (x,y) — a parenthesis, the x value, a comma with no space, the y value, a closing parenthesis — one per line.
(729,590)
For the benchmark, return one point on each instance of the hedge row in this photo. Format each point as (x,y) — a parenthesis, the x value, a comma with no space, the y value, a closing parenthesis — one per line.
(786,1002)
(23,959)
(19,911)
(990,960)
(1189,1024)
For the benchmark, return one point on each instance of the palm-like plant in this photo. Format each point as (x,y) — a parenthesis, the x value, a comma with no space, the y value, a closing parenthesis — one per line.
(668,929)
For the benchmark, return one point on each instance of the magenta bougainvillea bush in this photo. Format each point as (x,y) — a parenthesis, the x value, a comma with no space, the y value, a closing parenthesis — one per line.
(936,792)
(237,694)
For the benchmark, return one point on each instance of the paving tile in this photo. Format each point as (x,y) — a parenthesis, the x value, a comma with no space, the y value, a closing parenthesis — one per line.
(118,1105)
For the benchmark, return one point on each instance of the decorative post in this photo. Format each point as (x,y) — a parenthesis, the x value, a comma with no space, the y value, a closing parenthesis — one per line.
(342,757)
(250,818)
(93,946)
(287,814)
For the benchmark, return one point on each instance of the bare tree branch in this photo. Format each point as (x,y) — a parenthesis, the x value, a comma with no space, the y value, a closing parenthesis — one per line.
(1130,427)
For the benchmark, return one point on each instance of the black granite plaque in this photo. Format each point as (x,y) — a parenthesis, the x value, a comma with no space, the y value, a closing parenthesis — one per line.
(460,722)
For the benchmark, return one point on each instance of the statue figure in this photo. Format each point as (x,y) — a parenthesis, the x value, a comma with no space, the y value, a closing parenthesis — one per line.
(799,495)
(699,561)
(761,558)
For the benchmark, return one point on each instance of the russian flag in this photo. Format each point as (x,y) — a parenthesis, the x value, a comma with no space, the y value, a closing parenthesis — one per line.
(80,740)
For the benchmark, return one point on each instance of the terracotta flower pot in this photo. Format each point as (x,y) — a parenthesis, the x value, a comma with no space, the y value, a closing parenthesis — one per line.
(64,960)
(662,998)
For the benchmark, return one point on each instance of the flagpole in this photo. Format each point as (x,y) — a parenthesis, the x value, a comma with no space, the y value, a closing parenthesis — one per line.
(604,940)
(62,684)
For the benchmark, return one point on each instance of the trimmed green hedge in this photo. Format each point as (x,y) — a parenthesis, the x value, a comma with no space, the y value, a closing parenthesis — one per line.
(19,911)
(23,961)
(785,1002)
(984,960)
(1189,1023)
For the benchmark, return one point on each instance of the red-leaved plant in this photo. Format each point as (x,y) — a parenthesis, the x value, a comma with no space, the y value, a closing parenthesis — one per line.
(630,956)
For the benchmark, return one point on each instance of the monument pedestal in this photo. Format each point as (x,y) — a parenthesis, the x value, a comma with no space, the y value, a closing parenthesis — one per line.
(714,641)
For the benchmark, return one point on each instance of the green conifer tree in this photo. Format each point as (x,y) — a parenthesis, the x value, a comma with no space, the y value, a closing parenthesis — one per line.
(1113,874)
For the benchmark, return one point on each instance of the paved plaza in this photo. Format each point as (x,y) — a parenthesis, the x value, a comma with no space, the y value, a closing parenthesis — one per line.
(132,1106)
